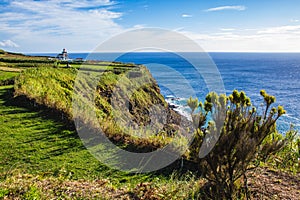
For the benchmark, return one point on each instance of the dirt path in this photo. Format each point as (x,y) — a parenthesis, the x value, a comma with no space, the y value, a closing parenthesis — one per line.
(269,184)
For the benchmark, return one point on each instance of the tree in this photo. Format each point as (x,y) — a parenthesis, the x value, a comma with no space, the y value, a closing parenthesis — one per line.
(241,141)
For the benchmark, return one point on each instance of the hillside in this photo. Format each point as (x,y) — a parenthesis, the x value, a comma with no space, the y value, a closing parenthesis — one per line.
(119,86)
(18,60)
(43,157)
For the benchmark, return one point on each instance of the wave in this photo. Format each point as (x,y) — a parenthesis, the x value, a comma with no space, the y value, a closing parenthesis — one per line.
(180,105)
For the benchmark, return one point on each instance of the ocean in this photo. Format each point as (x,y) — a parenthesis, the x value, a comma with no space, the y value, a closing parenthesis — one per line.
(277,73)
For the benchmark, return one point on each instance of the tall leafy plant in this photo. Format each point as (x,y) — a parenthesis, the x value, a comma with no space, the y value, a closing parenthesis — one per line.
(243,138)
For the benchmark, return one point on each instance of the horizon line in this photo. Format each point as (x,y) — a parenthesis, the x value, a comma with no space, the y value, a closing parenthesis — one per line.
(287,52)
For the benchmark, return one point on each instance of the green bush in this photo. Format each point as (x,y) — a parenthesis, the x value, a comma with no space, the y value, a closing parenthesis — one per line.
(288,158)
(243,138)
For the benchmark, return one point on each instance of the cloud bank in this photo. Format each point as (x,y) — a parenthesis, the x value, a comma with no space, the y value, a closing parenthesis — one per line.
(49,24)
(8,43)
(269,39)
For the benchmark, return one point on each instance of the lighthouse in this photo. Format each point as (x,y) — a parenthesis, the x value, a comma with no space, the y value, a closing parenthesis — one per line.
(63,55)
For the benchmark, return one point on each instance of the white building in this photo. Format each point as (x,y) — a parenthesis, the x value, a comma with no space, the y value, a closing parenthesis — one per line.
(63,55)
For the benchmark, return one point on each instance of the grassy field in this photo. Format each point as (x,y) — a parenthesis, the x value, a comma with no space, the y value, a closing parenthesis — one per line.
(16,60)
(4,75)
(36,141)
(39,147)
(42,156)
(7,77)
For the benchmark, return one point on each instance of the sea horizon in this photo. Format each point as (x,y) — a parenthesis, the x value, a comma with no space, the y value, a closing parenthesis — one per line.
(242,52)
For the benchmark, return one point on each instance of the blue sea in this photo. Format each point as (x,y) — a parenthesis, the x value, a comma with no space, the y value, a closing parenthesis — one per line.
(277,73)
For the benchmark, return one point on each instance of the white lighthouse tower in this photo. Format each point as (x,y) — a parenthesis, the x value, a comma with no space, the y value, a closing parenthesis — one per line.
(63,55)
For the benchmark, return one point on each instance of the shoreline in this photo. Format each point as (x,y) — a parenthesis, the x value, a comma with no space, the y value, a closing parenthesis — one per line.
(177,107)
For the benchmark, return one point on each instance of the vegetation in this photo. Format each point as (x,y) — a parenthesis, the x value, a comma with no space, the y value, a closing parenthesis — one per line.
(7,78)
(243,138)
(17,60)
(42,156)
(53,87)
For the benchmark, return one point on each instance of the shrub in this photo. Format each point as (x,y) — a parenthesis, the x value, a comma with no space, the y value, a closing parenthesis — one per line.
(243,138)
(288,158)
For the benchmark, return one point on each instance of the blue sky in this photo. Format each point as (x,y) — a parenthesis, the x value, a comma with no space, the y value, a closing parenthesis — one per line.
(219,25)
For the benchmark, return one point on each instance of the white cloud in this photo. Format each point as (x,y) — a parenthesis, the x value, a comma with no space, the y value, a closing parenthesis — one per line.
(186,15)
(48,25)
(280,30)
(238,8)
(8,43)
(272,39)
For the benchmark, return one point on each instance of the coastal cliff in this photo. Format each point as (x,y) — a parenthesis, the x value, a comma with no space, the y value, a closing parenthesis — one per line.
(127,100)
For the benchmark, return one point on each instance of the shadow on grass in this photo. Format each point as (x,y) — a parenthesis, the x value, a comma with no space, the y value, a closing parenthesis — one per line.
(28,105)
(65,130)
(41,123)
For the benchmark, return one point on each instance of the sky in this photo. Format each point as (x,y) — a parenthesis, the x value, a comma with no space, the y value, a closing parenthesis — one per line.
(36,26)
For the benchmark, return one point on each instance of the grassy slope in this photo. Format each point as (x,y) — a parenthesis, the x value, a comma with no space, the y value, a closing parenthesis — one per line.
(53,87)
(42,157)
(6,77)
(34,142)
(8,59)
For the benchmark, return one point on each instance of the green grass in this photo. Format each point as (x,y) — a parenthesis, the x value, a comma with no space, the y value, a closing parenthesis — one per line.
(35,142)
(53,87)
(42,156)
(36,147)
(4,76)
(16,60)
